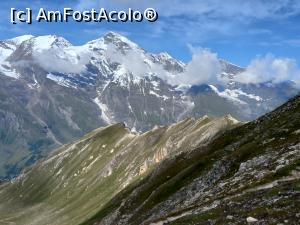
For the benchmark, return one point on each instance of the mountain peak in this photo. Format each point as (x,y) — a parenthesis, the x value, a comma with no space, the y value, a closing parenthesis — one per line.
(112,38)
(48,41)
(164,56)
(119,40)
(112,34)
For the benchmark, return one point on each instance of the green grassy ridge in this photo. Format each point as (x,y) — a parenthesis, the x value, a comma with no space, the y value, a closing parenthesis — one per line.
(74,182)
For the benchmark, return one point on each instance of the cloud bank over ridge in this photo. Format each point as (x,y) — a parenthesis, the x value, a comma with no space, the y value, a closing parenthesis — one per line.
(268,68)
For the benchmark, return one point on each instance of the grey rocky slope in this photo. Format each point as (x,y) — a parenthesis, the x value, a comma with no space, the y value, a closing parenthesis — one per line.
(250,174)
(52,92)
(78,179)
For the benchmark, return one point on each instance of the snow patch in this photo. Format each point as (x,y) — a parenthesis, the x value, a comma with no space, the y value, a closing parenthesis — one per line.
(164,97)
(5,69)
(154,93)
(105,115)
(234,95)
(59,80)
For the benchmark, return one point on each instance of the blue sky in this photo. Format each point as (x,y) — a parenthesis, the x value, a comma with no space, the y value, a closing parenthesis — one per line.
(237,30)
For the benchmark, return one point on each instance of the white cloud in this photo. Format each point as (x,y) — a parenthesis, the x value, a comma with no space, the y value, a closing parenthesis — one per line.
(61,60)
(204,68)
(270,69)
(132,60)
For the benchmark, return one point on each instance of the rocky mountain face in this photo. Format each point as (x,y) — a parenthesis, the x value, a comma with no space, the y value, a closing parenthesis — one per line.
(52,93)
(77,180)
(248,175)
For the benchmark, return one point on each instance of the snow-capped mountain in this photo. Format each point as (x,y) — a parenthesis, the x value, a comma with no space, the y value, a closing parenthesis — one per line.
(53,92)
